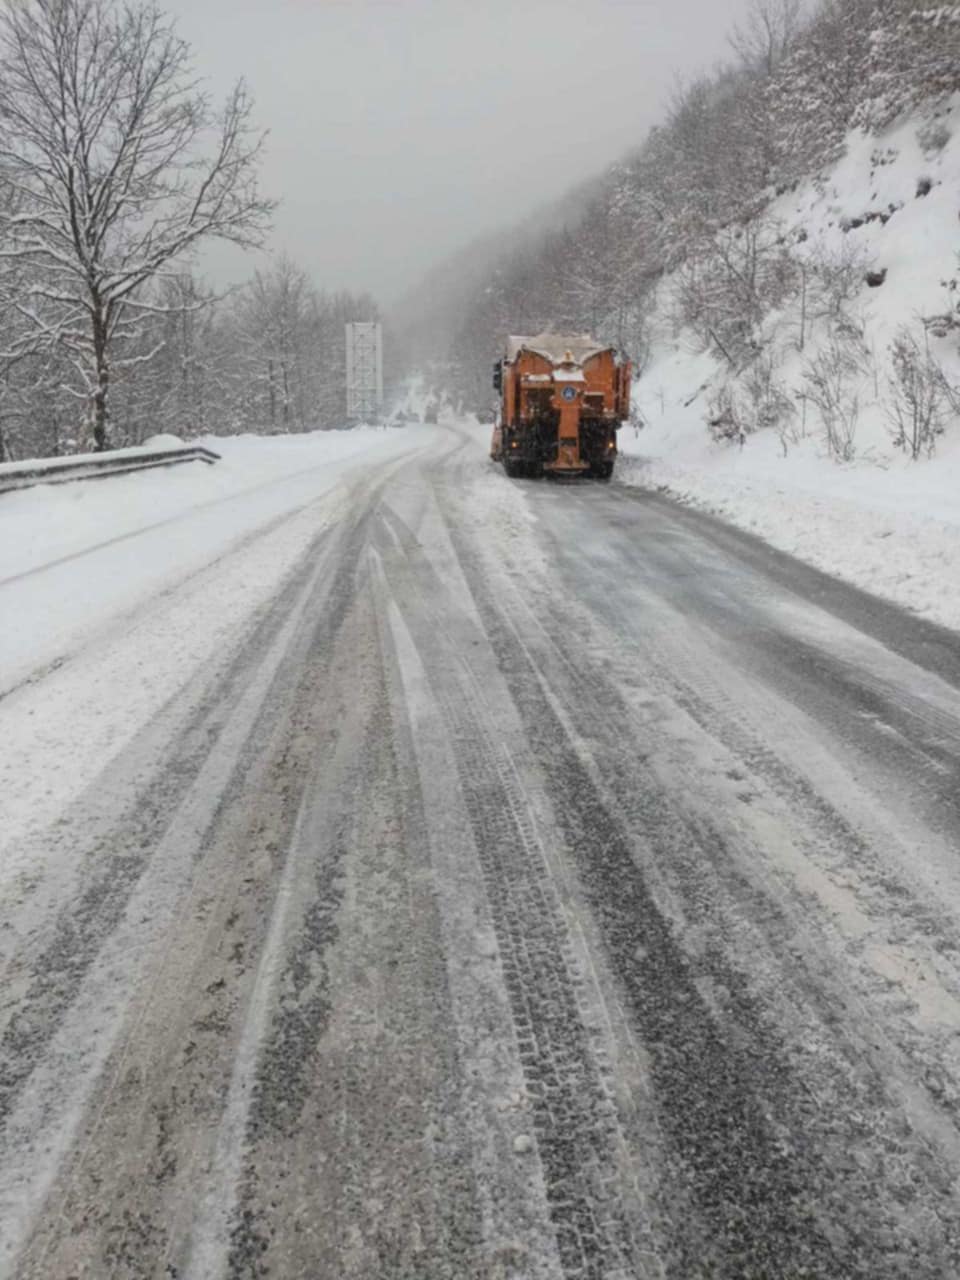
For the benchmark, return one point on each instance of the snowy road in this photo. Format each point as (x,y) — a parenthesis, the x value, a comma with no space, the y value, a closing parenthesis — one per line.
(534,882)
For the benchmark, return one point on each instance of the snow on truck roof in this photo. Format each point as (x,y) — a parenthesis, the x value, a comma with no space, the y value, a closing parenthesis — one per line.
(555,346)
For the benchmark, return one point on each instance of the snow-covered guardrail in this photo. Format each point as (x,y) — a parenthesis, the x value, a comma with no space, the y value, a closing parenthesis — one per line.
(91,466)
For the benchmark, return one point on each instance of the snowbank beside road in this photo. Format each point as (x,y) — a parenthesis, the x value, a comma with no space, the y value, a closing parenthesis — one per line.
(74,557)
(157,444)
(882,522)
(47,523)
(894,531)
(119,593)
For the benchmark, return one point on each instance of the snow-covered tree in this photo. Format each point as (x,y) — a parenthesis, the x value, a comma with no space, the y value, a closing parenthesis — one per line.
(275,315)
(114,166)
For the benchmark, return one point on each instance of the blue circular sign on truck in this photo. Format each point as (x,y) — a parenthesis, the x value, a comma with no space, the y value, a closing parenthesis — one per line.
(569,393)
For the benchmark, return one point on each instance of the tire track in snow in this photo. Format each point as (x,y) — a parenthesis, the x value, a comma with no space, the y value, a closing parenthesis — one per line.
(51,1068)
(565,1067)
(810,1179)
(223,1230)
(515,1209)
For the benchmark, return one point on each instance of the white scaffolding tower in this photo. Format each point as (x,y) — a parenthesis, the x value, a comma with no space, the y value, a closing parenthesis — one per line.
(364,371)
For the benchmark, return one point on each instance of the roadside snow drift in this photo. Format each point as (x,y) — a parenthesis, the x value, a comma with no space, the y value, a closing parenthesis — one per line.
(880,520)
(74,557)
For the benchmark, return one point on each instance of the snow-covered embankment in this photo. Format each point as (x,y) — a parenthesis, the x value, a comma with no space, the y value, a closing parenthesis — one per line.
(880,520)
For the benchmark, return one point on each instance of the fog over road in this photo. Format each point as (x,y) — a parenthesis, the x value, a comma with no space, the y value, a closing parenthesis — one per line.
(551,882)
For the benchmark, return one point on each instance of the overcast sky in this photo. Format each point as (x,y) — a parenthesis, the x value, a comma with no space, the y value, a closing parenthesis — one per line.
(400,129)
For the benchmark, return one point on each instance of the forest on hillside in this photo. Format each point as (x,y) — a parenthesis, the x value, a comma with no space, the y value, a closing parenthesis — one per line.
(692,202)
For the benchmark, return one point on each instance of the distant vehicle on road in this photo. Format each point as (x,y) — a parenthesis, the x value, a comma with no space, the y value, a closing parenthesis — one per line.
(563,396)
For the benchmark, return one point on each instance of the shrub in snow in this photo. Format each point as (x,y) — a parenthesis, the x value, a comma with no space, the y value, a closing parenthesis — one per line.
(920,395)
(767,401)
(831,381)
(933,136)
(947,321)
(941,325)
(838,275)
(724,416)
(724,292)
(882,216)
(637,420)
(878,158)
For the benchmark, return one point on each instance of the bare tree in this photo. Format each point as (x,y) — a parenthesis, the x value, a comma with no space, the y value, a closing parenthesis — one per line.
(767,33)
(831,383)
(920,395)
(117,165)
(277,317)
(724,293)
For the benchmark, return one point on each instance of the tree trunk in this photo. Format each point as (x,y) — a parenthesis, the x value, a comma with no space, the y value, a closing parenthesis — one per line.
(101,415)
(803,306)
(186,399)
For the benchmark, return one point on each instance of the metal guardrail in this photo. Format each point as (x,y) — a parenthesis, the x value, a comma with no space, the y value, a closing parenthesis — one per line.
(94,466)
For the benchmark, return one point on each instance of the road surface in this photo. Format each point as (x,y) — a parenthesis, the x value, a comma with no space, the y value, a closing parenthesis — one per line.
(549,882)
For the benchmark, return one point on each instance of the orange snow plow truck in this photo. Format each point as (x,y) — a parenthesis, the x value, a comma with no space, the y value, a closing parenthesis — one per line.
(562,397)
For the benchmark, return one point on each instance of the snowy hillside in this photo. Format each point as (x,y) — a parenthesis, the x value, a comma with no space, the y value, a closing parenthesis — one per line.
(845,494)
